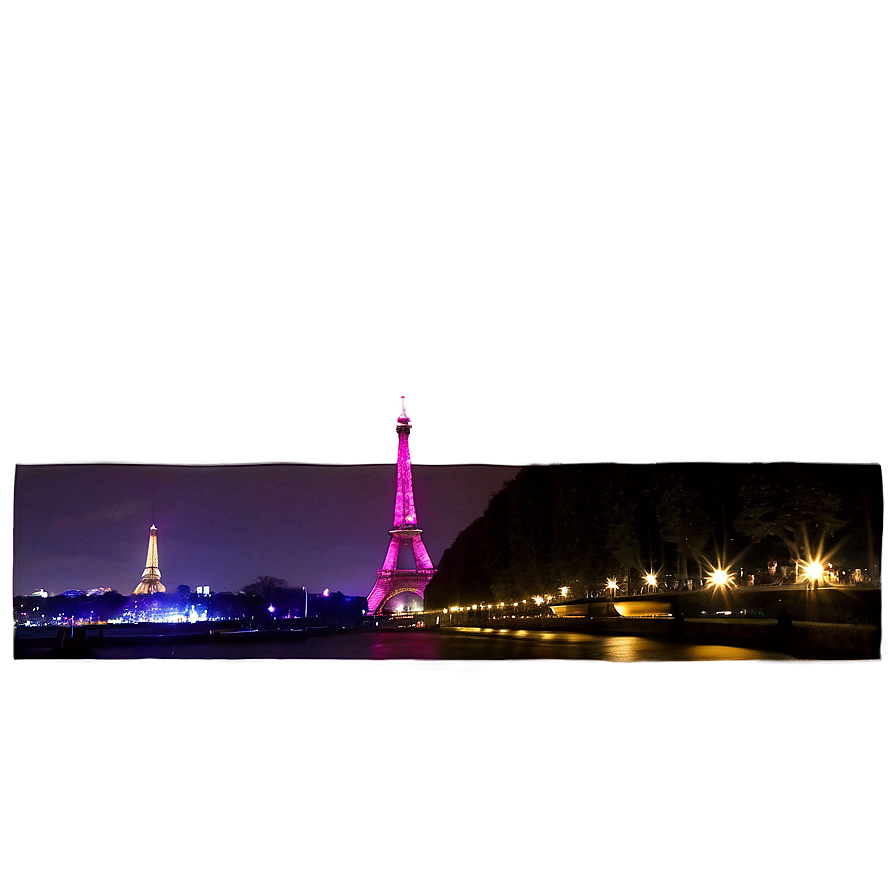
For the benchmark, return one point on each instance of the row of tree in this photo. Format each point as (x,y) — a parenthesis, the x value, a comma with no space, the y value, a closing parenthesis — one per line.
(577,525)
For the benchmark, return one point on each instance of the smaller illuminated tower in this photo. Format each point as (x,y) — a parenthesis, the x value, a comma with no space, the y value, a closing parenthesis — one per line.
(151,583)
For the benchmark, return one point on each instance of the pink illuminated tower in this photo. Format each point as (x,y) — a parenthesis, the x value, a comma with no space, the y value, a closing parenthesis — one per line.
(397,588)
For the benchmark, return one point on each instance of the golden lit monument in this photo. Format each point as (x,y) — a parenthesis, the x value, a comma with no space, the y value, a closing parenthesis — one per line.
(151,583)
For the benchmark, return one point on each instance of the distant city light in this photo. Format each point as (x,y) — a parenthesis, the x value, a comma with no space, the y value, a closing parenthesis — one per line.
(564,591)
(325,592)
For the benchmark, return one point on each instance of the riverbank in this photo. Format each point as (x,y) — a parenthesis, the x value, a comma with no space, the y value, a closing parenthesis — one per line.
(828,624)
(90,641)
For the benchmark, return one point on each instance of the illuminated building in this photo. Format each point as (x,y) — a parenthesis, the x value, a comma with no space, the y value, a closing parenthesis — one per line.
(151,583)
(399,589)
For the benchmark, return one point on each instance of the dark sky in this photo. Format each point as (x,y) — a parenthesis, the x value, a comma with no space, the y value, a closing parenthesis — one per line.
(235,233)
(84,526)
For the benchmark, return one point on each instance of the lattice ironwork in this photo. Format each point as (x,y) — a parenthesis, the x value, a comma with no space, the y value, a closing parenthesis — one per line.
(390,580)
(151,583)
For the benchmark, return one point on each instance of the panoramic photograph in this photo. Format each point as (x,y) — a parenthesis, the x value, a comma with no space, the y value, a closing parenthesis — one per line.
(598,604)
(618,562)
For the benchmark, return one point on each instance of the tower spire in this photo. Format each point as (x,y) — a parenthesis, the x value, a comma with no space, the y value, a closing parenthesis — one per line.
(405,514)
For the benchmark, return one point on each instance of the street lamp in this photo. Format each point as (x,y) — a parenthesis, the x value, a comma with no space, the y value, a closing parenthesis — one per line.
(721,578)
(814,574)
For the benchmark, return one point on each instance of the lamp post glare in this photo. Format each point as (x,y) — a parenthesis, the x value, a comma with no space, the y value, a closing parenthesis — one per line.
(721,578)
(814,574)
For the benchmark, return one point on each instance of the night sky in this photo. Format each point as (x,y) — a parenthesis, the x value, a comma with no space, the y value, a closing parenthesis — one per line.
(235,233)
(86,526)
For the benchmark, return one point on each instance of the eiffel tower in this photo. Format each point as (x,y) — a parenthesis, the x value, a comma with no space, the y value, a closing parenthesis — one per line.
(151,583)
(390,580)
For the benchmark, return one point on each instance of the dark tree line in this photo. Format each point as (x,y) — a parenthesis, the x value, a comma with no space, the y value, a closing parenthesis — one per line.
(577,525)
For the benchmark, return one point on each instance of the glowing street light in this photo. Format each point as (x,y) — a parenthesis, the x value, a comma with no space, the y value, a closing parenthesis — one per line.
(814,573)
(613,585)
(650,578)
(721,578)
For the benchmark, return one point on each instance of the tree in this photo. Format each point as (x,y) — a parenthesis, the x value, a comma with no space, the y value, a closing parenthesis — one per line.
(789,503)
(261,593)
(265,587)
(621,521)
(682,521)
(622,537)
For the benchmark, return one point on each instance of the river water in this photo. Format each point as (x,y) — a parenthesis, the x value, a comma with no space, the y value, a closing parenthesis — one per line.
(424,644)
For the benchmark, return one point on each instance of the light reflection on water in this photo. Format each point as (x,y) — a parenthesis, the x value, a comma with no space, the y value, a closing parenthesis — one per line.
(488,643)
(432,644)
